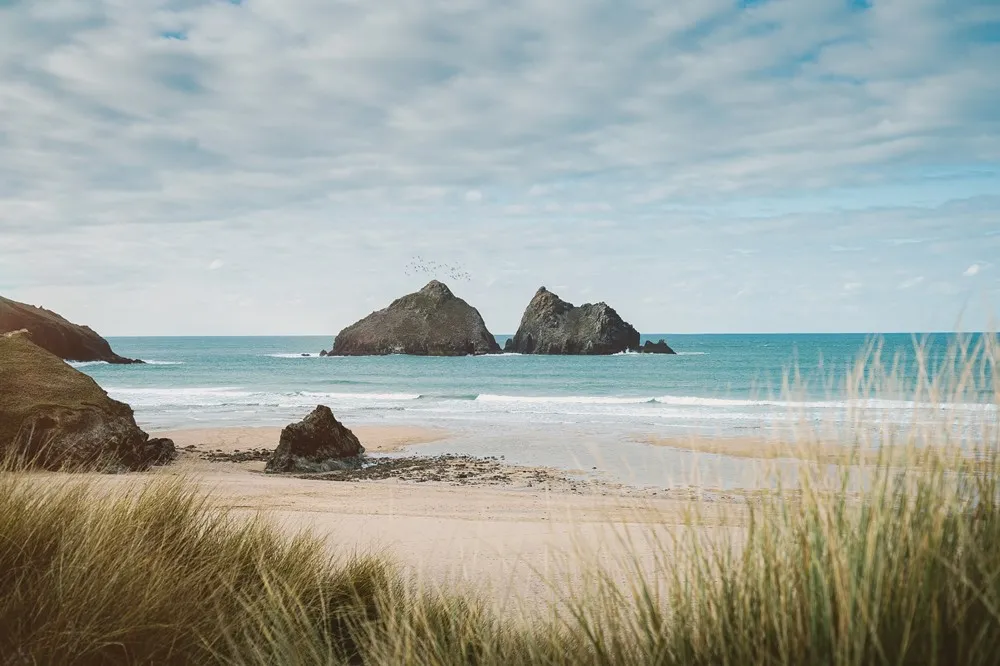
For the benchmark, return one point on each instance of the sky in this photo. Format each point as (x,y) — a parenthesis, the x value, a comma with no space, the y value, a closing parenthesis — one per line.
(279,166)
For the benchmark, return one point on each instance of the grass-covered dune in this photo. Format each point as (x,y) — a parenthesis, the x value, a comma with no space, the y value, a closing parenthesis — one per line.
(902,568)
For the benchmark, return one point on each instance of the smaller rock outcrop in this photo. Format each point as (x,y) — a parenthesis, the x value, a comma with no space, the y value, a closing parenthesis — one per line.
(52,332)
(430,322)
(551,325)
(55,417)
(660,347)
(324,353)
(317,443)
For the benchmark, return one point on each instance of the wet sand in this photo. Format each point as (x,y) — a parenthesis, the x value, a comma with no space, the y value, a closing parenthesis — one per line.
(376,439)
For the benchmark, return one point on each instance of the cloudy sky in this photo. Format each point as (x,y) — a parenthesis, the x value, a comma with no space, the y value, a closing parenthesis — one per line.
(274,166)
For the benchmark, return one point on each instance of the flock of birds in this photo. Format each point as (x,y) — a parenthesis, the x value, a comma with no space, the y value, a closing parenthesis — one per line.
(419,266)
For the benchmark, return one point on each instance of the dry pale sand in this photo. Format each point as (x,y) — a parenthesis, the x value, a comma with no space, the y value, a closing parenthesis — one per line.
(514,542)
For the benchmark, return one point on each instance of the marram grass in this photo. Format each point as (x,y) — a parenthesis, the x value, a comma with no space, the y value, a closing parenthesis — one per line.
(891,563)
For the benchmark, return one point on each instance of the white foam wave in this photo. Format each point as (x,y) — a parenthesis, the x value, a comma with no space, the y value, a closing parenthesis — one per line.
(362,396)
(695,401)
(85,364)
(692,353)
(877,404)
(298,355)
(235,396)
(562,400)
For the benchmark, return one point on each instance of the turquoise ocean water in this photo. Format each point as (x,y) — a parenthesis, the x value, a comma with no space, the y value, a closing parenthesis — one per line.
(567,411)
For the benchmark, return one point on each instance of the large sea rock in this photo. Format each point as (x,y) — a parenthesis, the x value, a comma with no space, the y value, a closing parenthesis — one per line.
(660,347)
(430,322)
(50,331)
(317,443)
(56,417)
(550,325)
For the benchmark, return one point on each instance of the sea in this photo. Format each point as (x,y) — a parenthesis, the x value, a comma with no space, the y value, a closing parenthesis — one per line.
(592,414)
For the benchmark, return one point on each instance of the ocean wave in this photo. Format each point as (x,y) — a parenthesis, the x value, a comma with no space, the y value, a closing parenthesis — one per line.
(697,401)
(235,396)
(691,353)
(856,403)
(563,399)
(85,364)
(361,396)
(298,355)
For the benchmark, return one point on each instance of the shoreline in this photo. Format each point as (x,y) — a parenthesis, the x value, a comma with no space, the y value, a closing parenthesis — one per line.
(471,460)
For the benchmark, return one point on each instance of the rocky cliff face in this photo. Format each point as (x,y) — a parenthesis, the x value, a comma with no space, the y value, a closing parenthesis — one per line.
(55,334)
(550,325)
(53,416)
(430,322)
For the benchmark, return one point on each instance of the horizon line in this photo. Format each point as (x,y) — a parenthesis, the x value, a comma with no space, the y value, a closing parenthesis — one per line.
(719,333)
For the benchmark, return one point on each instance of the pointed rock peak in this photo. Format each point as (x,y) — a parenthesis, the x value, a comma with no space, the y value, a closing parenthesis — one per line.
(544,293)
(436,289)
(545,298)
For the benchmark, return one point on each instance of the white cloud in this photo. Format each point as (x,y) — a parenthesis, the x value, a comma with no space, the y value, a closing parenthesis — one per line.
(910,283)
(216,265)
(267,102)
(972,270)
(154,132)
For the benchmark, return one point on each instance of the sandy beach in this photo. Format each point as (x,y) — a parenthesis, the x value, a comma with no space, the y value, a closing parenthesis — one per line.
(514,538)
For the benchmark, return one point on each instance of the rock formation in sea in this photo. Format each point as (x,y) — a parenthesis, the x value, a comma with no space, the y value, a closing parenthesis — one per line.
(660,347)
(52,332)
(56,417)
(550,325)
(430,322)
(317,443)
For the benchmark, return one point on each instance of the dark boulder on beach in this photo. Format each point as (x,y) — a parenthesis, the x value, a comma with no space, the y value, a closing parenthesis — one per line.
(55,417)
(317,443)
(430,322)
(550,325)
(52,332)
(660,347)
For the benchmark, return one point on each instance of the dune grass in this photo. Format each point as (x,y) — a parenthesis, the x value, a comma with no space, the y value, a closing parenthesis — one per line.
(899,567)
